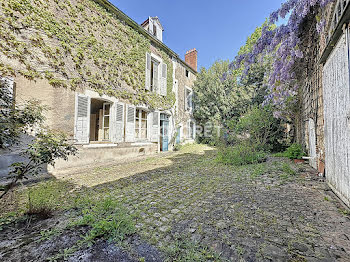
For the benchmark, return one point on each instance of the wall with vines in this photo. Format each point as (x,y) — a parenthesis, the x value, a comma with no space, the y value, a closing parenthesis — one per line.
(77,44)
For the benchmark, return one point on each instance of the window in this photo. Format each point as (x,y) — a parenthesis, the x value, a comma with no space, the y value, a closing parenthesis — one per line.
(154,30)
(106,114)
(154,75)
(189,101)
(141,124)
(187,73)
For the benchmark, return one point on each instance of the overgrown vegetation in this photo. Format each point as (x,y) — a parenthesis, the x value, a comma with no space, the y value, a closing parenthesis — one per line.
(294,151)
(47,197)
(232,99)
(81,44)
(105,218)
(241,154)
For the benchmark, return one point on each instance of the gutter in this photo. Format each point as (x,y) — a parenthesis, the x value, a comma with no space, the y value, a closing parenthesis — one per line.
(122,16)
(345,18)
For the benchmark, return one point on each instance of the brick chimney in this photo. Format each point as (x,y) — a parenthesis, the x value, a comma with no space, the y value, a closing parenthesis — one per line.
(191,58)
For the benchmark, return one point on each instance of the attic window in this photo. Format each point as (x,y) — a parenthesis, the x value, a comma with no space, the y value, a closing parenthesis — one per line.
(187,73)
(154,30)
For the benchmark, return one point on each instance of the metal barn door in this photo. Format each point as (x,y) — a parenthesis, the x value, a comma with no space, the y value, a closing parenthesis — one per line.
(336,92)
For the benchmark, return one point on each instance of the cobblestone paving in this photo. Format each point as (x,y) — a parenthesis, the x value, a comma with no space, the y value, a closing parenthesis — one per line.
(263,212)
(188,207)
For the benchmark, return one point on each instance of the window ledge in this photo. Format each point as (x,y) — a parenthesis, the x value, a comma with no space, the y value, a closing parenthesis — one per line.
(145,143)
(100,145)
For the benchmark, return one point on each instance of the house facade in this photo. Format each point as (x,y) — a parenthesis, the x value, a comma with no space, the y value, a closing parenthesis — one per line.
(323,125)
(110,84)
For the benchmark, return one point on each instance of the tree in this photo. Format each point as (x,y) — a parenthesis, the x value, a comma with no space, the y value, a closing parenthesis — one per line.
(17,121)
(223,92)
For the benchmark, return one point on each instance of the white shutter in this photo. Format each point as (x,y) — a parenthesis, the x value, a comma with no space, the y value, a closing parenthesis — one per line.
(119,122)
(149,126)
(160,34)
(148,71)
(150,25)
(155,127)
(82,119)
(130,123)
(163,89)
(7,88)
(186,100)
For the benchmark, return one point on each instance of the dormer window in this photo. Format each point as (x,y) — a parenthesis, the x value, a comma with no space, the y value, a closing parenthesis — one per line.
(154,27)
(155,30)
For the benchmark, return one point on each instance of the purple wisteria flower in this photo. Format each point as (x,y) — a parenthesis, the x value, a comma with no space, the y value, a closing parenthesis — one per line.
(282,43)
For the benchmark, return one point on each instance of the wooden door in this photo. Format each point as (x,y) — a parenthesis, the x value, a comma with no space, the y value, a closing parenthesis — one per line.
(336,91)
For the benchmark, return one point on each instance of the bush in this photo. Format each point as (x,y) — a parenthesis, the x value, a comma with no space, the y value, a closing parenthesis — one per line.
(241,154)
(259,128)
(295,151)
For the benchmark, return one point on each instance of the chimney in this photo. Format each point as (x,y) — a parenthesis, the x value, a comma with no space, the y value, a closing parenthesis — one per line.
(191,58)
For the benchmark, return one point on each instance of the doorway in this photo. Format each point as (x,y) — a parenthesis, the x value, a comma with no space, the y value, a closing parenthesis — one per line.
(100,120)
(164,132)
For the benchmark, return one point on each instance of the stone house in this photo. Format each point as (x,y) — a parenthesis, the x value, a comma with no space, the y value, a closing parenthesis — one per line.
(323,120)
(111,84)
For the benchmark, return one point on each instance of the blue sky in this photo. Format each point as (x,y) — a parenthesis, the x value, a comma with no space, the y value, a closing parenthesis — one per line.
(216,28)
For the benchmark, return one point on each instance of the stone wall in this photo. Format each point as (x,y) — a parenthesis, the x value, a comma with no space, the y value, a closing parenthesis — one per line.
(311,93)
(183,81)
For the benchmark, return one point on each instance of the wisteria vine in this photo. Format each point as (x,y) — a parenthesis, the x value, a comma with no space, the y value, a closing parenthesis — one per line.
(283,44)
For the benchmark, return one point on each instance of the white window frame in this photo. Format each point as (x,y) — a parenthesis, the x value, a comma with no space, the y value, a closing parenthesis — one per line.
(139,119)
(103,121)
(188,108)
(159,60)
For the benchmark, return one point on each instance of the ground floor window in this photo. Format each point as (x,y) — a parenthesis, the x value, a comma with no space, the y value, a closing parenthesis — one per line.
(141,124)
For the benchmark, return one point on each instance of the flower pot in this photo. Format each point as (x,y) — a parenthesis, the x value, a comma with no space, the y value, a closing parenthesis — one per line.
(299,161)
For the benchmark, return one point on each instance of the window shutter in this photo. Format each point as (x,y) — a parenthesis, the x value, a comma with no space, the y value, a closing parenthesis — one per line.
(186,100)
(7,93)
(155,127)
(130,124)
(163,89)
(150,24)
(82,119)
(148,71)
(119,122)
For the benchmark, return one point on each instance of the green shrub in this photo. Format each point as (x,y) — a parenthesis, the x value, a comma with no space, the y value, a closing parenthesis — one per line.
(295,151)
(259,128)
(241,154)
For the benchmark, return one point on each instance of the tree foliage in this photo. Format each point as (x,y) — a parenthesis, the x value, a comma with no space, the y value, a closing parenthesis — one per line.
(222,93)
(283,44)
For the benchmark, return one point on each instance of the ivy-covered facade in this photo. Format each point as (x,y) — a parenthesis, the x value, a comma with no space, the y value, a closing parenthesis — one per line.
(109,83)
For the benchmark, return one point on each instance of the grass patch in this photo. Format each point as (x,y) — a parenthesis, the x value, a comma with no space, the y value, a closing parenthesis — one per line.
(186,250)
(47,197)
(106,218)
(240,155)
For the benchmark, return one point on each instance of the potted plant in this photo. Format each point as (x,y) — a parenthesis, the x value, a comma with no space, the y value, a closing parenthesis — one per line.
(296,153)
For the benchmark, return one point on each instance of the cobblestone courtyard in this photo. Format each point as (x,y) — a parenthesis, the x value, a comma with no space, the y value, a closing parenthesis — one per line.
(188,207)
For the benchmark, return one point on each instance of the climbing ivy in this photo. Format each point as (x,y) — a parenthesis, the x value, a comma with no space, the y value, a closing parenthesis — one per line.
(77,44)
